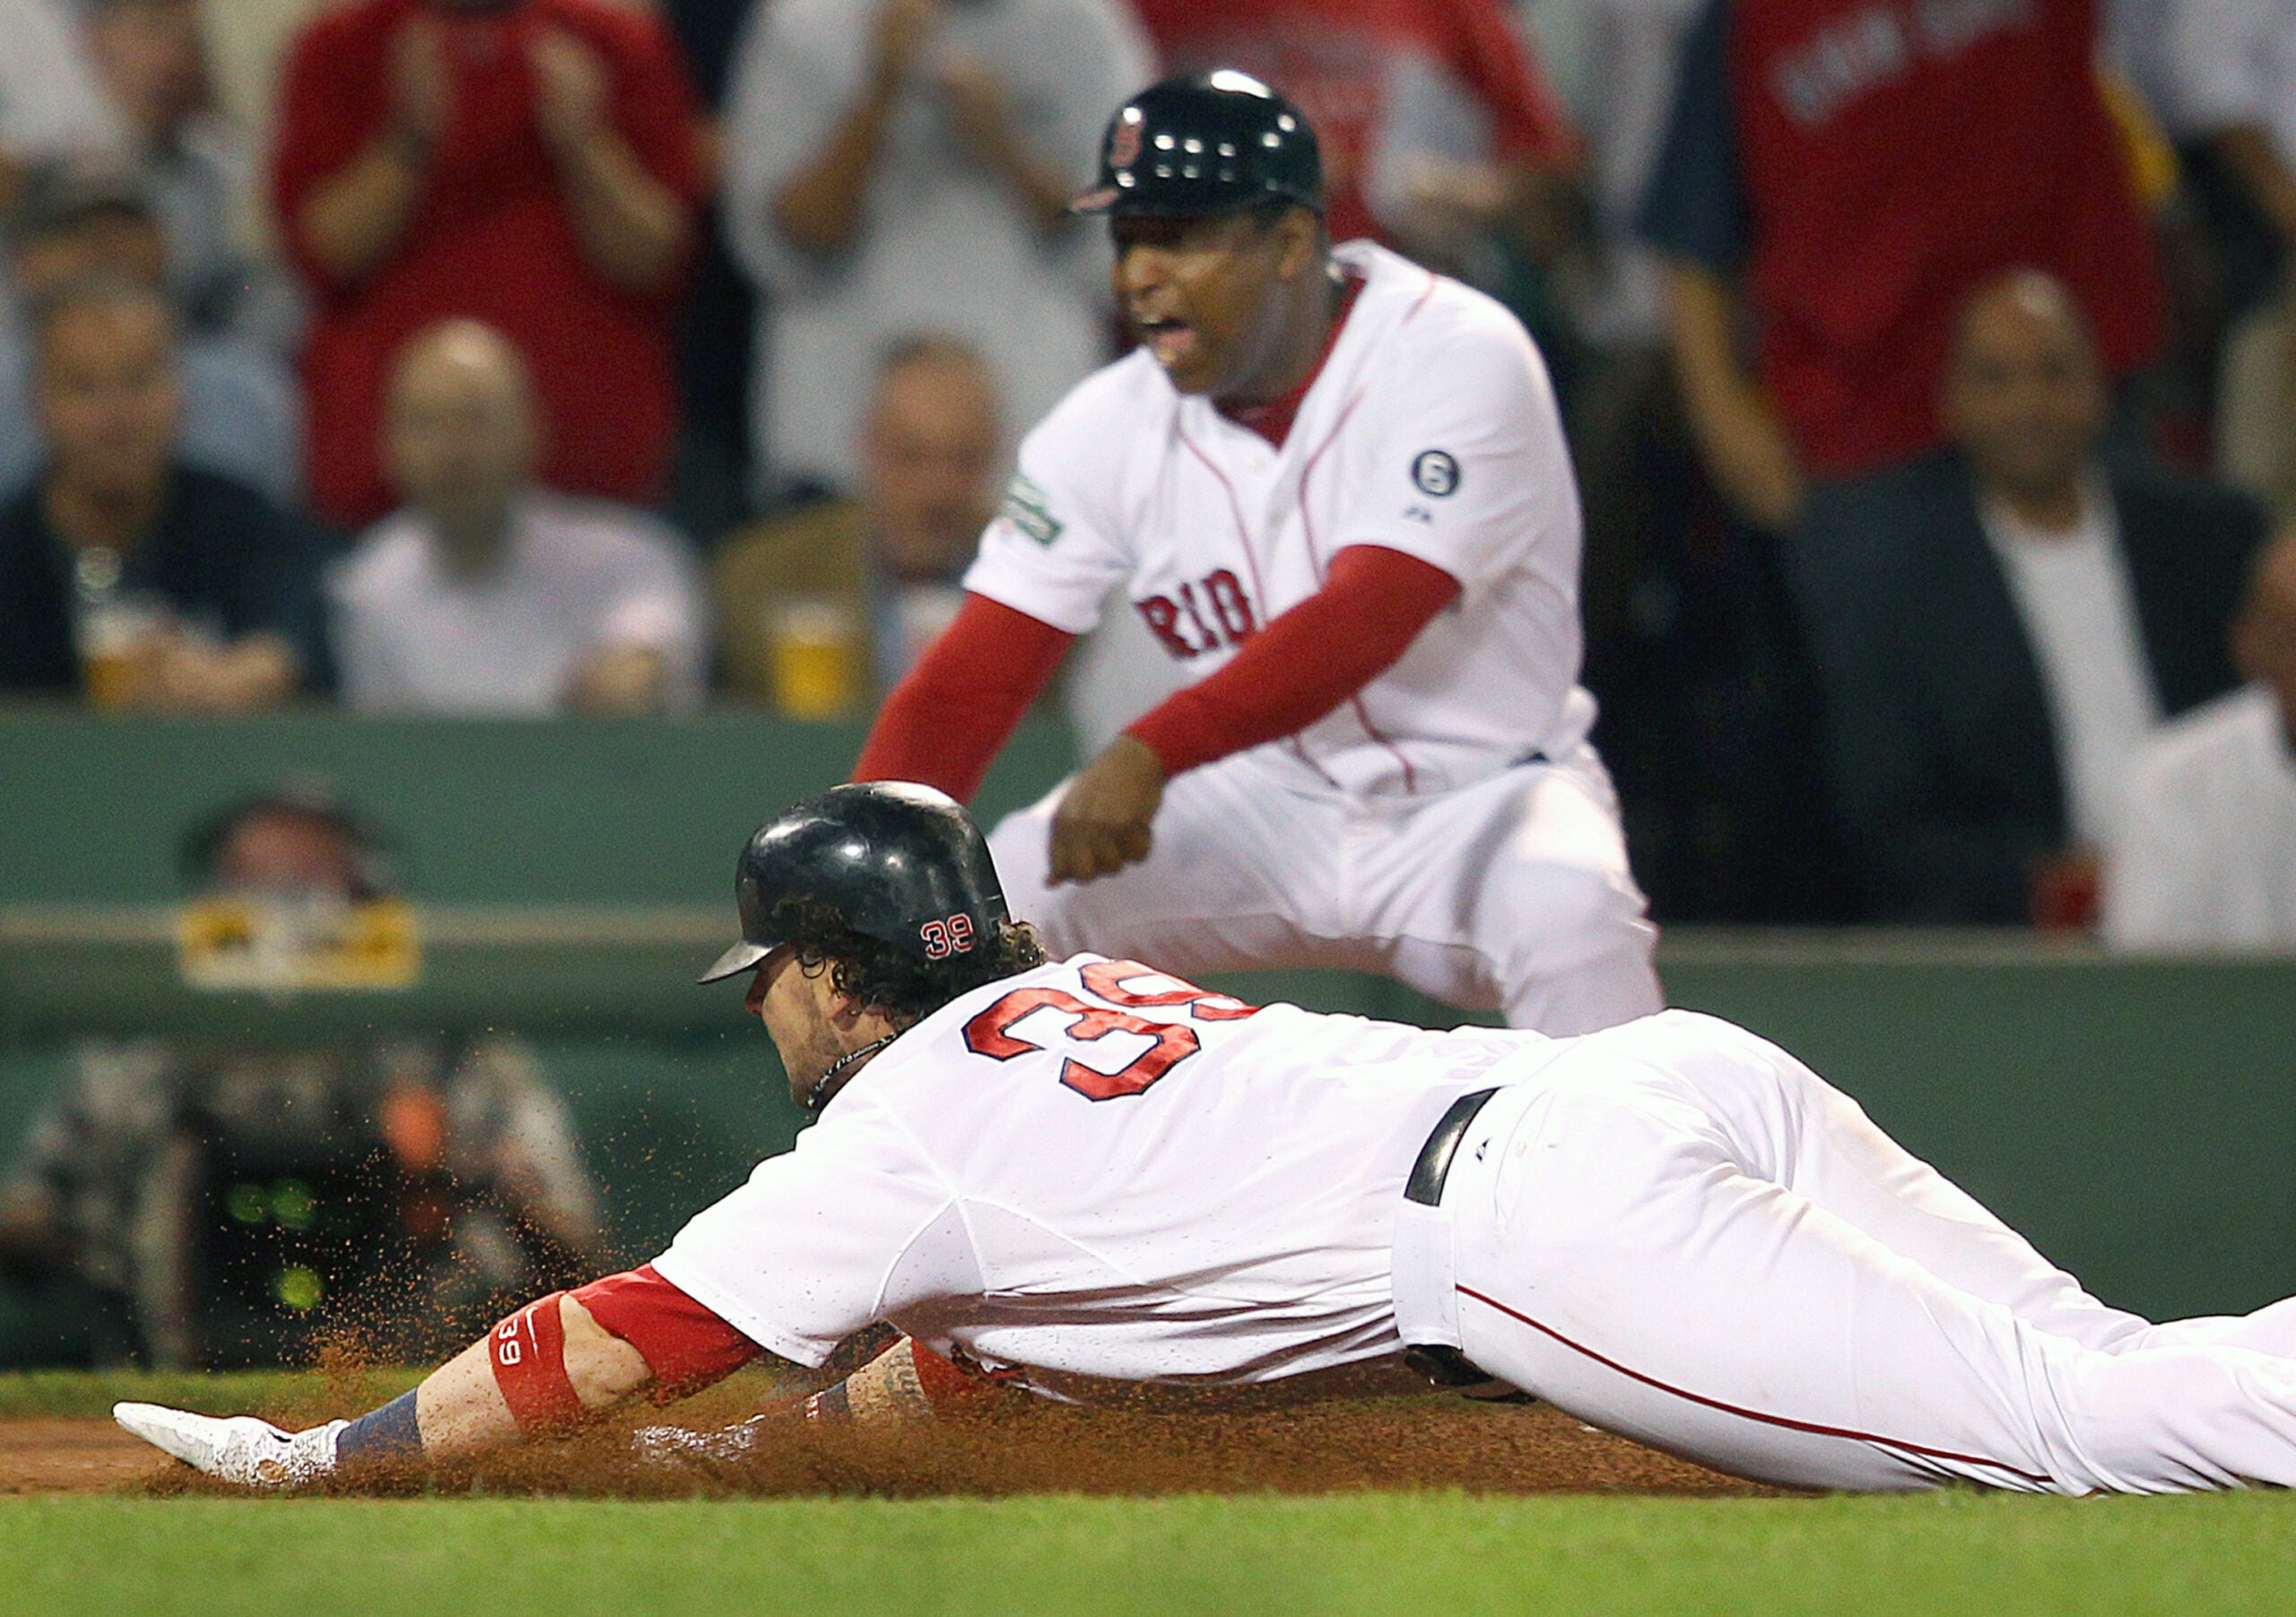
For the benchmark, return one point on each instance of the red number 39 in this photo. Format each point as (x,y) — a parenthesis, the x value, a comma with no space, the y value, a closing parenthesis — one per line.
(989,1033)
(944,938)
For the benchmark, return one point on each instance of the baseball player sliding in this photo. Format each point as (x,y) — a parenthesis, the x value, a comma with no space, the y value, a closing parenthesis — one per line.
(1670,1229)
(1334,486)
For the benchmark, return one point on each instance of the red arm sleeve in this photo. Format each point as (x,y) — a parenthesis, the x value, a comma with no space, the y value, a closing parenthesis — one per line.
(1306,662)
(943,724)
(684,1344)
(331,99)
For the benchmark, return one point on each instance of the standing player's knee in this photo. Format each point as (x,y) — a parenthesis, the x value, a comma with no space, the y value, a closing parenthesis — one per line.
(1554,916)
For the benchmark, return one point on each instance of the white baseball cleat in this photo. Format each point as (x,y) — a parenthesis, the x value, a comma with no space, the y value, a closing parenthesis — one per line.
(237,1449)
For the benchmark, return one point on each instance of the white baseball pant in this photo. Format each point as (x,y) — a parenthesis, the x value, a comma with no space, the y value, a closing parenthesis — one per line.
(1512,893)
(1677,1232)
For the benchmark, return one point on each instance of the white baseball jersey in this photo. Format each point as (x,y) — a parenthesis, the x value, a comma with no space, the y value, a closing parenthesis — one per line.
(1097,1168)
(1431,429)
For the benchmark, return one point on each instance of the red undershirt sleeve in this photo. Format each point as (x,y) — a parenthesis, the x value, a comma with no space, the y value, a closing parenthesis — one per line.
(1306,662)
(943,724)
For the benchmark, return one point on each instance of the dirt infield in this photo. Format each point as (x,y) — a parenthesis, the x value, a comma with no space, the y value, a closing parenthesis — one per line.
(1383,1443)
(72,1456)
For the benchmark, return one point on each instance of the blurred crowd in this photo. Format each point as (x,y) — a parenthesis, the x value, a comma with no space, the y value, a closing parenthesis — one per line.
(1930,366)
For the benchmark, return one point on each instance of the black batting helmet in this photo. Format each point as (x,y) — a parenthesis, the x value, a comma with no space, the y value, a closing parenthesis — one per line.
(900,863)
(1208,142)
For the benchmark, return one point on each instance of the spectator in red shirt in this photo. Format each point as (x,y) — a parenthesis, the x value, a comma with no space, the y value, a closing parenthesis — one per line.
(1346,63)
(530,163)
(1848,174)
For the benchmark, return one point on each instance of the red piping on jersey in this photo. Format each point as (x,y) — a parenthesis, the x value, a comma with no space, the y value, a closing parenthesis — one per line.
(1306,469)
(1409,314)
(1300,750)
(1410,775)
(1273,421)
(1235,514)
(1305,661)
(1308,526)
(943,725)
(1320,568)
(1243,538)
(1747,1415)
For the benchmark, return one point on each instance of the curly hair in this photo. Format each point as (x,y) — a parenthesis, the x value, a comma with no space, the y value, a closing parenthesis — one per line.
(885,979)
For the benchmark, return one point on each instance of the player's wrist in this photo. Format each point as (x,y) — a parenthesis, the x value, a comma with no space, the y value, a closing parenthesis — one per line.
(1177,736)
(1144,754)
(908,1383)
(384,1435)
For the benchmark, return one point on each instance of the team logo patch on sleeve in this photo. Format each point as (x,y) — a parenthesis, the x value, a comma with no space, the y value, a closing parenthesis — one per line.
(1435,472)
(1026,508)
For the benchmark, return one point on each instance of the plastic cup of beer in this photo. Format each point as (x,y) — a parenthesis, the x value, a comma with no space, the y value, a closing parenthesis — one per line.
(814,642)
(117,638)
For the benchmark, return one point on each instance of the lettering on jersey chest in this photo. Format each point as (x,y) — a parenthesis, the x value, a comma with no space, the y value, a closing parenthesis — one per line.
(1210,613)
(1030,1020)
(1231,529)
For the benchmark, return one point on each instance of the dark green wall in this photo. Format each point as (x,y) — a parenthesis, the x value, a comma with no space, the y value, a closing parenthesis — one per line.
(501,811)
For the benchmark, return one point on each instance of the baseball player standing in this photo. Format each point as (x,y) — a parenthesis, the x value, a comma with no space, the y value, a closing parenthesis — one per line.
(1670,1229)
(1334,486)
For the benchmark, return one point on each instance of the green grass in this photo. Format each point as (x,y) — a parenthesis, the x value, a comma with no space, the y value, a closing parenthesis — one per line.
(1957,1554)
(282,1394)
(1424,1555)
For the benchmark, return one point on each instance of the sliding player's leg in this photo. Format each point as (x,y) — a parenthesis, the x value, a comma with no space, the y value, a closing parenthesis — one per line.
(1617,1257)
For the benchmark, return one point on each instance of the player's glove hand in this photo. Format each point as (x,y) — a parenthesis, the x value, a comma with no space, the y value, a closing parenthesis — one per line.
(674,1445)
(238,1449)
(1102,822)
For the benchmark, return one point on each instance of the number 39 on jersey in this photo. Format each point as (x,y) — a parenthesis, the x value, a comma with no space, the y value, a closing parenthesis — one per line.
(1044,1019)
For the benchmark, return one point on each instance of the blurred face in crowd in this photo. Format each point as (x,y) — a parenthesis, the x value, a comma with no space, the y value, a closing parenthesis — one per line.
(2024,395)
(108,394)
(285,850)
(2263,637)
(148,53)
(929,456)
(461,436)
(102,241)
(1217,300)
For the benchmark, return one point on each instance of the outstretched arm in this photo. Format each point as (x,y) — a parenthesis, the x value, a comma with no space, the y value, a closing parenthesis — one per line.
(552,1367)
(464,1408)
